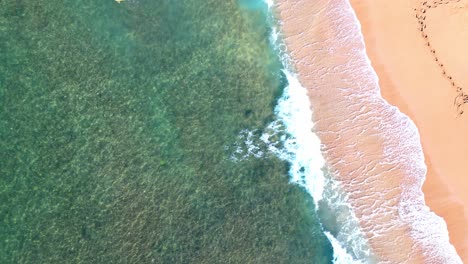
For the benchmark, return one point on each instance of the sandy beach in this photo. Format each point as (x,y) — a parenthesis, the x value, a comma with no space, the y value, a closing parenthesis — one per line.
(408,62)
(374,148)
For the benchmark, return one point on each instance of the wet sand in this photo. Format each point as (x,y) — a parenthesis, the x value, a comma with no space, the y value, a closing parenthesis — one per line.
(420,57)
(373,149)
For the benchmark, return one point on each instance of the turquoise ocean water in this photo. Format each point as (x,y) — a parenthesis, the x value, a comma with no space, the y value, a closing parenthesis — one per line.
(119,125)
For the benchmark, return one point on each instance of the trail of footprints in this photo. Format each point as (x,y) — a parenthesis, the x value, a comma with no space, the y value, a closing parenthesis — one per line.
(421,12)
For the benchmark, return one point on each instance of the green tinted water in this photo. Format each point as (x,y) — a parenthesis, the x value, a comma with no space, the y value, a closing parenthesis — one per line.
(115,127)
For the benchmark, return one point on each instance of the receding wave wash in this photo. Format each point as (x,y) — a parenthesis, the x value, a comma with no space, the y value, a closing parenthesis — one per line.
(372,149)
(118,123)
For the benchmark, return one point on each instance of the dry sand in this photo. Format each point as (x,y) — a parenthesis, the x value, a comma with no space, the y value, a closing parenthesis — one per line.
(371,147)
(412,80)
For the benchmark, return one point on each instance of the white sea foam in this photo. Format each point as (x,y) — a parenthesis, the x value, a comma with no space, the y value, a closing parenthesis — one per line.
(401,149)
(302,149)
(291,138)
(340,256)
(400,136)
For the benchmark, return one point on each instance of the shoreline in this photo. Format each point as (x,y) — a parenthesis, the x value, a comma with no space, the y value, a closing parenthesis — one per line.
(362,134)
(440,194)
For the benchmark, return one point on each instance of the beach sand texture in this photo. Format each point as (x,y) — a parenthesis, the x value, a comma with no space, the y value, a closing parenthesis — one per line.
(371,147)
(418,49)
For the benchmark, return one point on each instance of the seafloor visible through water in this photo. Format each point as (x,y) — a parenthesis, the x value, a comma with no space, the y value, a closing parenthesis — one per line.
(117,123)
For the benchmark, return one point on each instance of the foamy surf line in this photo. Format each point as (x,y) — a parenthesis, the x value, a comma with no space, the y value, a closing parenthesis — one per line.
(291,138)
(319,31)
(302,149)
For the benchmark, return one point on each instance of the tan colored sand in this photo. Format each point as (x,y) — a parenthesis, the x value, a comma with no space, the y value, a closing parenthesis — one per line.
(411,79)
(369,145)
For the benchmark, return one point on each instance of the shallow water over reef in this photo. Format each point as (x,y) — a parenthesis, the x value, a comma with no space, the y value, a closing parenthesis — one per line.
(116,123)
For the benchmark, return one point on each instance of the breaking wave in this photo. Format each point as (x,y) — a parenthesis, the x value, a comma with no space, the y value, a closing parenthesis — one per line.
(291,138)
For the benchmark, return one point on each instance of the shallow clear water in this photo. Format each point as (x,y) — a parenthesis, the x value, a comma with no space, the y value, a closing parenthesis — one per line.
(117,123)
